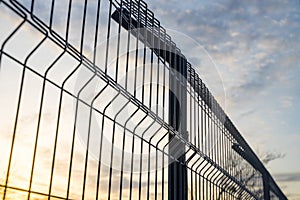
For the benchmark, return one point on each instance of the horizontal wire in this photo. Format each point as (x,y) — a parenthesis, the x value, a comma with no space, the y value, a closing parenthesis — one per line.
(31,191)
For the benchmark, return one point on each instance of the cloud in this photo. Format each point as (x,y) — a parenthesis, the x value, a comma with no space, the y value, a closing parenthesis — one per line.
(286,101)
(247,113)
(270,156)
(288,177)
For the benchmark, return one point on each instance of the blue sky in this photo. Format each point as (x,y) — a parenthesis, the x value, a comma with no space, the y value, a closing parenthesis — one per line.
(255,46)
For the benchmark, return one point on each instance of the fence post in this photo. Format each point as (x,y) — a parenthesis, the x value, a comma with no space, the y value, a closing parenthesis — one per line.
(177,173)
(266,186)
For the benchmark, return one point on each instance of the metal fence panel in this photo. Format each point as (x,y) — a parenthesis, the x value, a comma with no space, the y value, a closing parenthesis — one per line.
(98,102)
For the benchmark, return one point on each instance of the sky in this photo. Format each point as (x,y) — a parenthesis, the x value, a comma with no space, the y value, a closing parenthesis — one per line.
(247,53)
(256,51)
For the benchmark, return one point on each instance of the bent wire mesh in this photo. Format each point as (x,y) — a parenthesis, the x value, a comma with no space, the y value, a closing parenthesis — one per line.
(98,102)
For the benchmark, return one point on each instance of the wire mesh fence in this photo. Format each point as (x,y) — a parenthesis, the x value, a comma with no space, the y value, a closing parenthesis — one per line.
(98,102)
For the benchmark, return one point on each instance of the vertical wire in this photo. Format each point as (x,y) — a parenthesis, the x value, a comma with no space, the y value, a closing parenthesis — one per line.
(151,68)
(157,75)
(61,95)
(150,98)
(94,60)
(112,149)
(163,114)
(128,45)
(40,110)
(101,134)
(156,154)
(207,181)
(73,135)
(88,136)
(192,187)
(127,61)
(201,180)
(205,122)
(95,50)
(123,149)
(143,87)
(223,144)
(100,139)
(132,157)
(145,30)
(202,119)
(156,111)
(219,142)
(191,109)
(192,167)
(169,157)
(213,141)
(24,16)
(118,40)
(83,27)
(141,161)
(139,10)
(76,107)
(199,175)
(195,110)
(199,116)
(210,154)
(137,50)
(38,125)
(108,36)
(57,124)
